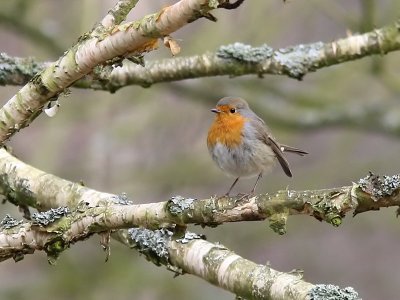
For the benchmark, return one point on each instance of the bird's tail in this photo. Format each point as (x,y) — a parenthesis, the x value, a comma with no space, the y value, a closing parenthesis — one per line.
(286,148)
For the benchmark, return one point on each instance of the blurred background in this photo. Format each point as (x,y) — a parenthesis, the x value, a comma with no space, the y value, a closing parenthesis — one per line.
(150,144)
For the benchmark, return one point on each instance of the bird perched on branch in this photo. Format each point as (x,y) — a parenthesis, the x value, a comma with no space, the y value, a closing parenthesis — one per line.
(241,144)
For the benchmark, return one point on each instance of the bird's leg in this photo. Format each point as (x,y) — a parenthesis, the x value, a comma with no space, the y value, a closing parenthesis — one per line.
(252,191)
(255,185)
(230,189)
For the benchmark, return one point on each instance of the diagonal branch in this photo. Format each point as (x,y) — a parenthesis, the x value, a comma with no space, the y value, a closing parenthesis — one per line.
(124,40)
(222,267)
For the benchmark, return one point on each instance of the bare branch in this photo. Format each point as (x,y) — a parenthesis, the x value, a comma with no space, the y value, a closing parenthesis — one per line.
(231,60)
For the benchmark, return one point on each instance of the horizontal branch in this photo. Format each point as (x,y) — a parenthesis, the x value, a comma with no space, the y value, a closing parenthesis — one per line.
(94,49)
(232,60)
(24,185)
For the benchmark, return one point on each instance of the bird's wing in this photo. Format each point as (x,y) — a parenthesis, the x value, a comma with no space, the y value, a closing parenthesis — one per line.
(279,155)
(269,140)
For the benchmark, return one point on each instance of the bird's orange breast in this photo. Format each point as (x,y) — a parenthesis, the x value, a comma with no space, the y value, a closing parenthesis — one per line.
(226,129)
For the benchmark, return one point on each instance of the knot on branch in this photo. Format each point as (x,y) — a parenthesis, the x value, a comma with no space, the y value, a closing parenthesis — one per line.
(332,292)
(379,187)
(245,53)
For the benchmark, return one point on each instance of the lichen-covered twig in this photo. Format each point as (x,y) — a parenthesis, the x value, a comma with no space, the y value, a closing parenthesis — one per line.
(108,46)
(235,60)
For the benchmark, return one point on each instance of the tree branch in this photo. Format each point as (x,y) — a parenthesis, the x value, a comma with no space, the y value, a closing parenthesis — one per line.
(55,230)
(24,185)
(118,42)
(222,267)
(232,60)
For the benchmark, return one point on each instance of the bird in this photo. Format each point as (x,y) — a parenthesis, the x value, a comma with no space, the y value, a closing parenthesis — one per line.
(241,144)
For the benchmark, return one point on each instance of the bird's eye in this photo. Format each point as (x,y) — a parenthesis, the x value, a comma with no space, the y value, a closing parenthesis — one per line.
(233,110)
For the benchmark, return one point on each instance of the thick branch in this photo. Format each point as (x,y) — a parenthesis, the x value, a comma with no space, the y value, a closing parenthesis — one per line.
(222,267)
(120,41)
(55,230)
(237,60)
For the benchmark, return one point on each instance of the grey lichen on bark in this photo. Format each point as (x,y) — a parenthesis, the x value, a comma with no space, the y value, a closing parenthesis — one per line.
(332,292)
(245,53)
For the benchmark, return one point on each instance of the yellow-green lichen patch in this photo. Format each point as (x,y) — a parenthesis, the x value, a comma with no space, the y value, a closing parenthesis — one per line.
(54,248)
(277,221)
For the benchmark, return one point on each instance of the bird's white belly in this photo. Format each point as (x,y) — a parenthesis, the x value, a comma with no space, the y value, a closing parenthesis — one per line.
(244,161)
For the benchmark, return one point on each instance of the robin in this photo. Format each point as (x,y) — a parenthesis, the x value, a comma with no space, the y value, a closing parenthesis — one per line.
(241,144)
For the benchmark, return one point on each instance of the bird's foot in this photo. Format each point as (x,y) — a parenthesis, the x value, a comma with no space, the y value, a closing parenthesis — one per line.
(242,196)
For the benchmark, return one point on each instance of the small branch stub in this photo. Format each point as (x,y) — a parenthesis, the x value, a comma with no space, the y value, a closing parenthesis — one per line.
(172,44)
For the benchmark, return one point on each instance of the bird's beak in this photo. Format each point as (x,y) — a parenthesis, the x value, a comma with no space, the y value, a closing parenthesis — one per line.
(215,110)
